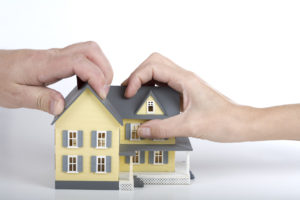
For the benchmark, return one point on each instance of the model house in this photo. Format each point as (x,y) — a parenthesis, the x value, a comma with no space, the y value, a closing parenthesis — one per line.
(97,145)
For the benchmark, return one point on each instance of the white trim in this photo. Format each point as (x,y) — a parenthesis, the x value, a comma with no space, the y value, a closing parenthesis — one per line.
(139,158)
(104,172)
(188,162)
(162,158)
(76,138)
(132,125)
(160,139)
(76,164)
(153,105)
(105,139)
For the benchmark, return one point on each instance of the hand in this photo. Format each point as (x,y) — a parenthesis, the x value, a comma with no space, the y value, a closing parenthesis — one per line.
(208,114)
(205,113)
(24,75)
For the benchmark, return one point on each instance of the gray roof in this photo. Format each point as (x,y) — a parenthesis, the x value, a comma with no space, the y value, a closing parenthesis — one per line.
(123,108)
(182,144)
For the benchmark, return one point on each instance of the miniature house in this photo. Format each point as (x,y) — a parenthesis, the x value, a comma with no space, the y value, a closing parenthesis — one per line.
(97,145)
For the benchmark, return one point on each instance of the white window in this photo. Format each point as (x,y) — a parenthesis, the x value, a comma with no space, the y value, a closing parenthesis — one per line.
(158,157)
(150,106)
(134,135)
(72,139)
(100,164)
(72,164)
(101,139)
(136,158)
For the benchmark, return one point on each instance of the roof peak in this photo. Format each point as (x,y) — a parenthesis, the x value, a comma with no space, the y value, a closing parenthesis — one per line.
(125,108)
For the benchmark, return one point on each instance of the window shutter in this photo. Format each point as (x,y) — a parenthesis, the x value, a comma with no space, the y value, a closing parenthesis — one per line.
(65,163)
(142,156)
(108,139)
(108,163)
(127,159)
(165,157)
(151,157)
(65,138)
(127,131)
(80,138)
(93,163)
(94,138)
(79,163)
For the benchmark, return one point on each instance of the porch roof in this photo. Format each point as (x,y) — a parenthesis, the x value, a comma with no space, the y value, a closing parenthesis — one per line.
(182,144)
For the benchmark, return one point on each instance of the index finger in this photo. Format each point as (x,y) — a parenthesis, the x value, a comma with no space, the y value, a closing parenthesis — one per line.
(159,68)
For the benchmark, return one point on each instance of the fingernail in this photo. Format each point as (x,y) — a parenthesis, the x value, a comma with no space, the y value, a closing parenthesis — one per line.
(144,132)
(103,91)
(56,107)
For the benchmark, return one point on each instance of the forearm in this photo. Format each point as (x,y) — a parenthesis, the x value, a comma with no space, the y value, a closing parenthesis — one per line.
(274,123)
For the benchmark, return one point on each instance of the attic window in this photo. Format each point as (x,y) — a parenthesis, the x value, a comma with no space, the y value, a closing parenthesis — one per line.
(150,106)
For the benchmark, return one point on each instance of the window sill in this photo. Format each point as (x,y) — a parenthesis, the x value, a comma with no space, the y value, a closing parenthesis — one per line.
(100,172)
(101,147)
(72,147)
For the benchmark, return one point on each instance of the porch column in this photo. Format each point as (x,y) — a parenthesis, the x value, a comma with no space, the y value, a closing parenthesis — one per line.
(188,162)
(130,169)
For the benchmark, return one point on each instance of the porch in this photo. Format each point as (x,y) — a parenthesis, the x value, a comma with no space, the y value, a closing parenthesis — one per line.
(181,176)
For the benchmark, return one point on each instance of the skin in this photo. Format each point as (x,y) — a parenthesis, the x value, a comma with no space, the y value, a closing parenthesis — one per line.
(25,74)
(206,113)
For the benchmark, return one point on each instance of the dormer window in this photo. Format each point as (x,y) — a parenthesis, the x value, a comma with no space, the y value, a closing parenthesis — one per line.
(150,106)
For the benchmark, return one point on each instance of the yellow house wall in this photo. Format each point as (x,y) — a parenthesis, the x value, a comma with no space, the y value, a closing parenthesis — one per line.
(144,141)
(143,109)
(145,167)
(87,114)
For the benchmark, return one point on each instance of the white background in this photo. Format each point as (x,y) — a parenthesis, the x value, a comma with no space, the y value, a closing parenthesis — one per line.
(248,50)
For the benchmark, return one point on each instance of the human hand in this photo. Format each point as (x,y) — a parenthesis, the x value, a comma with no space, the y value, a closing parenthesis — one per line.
(24,74)
(206,113)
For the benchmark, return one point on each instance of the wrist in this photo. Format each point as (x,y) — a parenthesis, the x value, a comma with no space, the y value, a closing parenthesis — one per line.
(242,123)
(248,124)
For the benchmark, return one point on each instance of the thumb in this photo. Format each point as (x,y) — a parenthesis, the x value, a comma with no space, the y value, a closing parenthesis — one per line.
(42,98)
(166,128)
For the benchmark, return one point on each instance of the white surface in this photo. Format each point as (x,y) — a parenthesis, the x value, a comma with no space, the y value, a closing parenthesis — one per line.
(248,50)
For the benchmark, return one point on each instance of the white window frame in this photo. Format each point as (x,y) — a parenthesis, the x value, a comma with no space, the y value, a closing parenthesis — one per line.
(105,139)
(160,139)
(132,126)
(139,158)
(148,105)
(100,172)
(76,138)
(162,158)
(76,163)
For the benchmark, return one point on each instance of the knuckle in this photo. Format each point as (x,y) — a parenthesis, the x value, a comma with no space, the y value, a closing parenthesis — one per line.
(92,44)
(155,55)
(39,102)
(54,51)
